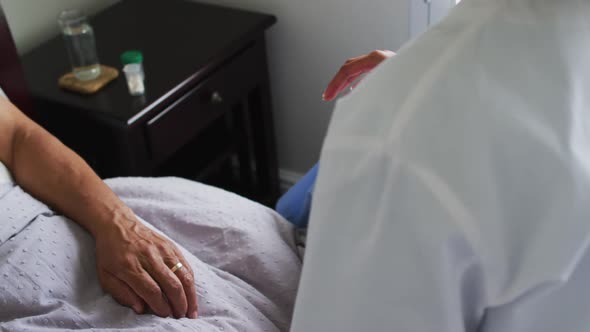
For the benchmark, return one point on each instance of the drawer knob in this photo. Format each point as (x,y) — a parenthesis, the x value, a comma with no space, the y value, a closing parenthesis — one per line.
(216,98)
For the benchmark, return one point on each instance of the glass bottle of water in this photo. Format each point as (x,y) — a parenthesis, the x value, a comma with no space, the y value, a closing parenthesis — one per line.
(80,45)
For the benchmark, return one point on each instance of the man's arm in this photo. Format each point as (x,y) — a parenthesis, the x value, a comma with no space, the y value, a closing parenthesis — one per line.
(133,262)
(57,176)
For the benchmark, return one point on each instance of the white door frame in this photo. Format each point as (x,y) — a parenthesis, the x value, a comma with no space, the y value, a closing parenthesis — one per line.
(424,13)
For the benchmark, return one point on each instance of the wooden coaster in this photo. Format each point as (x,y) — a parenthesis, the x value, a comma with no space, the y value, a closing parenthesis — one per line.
(70,82)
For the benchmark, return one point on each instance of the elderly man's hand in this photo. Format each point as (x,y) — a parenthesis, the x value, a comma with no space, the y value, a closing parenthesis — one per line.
(133,262)
(134,265)
(352,69)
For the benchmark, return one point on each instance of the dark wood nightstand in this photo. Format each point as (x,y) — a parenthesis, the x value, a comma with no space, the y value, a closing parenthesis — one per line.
(206,114)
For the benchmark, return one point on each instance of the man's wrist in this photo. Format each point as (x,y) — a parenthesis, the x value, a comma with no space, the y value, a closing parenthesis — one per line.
(117,220)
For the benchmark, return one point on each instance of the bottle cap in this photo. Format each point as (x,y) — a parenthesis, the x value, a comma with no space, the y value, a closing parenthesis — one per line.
(70,17)
(131,57)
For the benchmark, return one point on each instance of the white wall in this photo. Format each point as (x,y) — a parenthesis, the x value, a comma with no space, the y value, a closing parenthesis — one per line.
(34,21)
(310,41)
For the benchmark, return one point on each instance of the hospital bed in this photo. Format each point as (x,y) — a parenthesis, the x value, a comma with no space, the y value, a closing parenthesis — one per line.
(243,254)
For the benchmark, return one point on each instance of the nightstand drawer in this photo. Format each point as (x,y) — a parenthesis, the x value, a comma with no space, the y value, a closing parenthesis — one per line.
(184,119)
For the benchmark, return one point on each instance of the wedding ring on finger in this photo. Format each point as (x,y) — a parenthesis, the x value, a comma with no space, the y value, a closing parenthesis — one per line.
(176,267)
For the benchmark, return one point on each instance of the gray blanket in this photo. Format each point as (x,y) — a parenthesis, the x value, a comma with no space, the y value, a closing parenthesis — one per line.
(245,261)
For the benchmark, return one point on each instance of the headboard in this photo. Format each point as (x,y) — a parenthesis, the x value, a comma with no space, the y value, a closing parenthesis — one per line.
(12,78)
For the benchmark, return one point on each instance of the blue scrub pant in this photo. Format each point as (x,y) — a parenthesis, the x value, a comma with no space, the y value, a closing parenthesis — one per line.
(295,204)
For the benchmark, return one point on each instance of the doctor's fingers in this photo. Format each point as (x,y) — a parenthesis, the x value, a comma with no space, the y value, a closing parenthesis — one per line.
(352,69)
(377,56)
(345,76)
(339,84)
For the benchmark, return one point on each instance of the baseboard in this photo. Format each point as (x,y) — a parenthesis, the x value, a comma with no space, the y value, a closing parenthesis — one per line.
(288,179)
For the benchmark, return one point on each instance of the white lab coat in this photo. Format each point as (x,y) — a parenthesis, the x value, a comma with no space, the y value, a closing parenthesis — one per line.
(454,184)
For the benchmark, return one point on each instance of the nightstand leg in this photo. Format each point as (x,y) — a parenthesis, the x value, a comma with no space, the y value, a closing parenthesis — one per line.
(240,125)
(264,143)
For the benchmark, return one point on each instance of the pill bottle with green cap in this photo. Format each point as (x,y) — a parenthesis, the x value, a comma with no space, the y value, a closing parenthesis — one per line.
(133,69)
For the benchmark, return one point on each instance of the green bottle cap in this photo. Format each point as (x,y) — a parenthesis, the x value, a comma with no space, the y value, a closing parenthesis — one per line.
(131,57)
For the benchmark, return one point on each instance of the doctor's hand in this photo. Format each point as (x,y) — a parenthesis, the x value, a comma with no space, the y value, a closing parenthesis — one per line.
(134,266)
(352,69)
